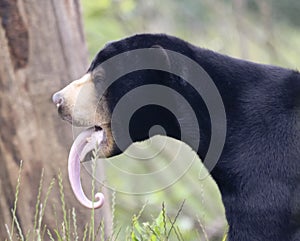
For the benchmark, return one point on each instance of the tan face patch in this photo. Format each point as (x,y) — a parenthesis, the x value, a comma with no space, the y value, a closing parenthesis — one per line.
(81,106)
(80,101)
(83,80)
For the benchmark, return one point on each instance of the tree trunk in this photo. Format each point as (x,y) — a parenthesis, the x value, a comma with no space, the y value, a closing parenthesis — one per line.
(42,49)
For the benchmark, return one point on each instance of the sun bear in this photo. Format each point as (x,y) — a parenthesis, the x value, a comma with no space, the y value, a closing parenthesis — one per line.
(250,110)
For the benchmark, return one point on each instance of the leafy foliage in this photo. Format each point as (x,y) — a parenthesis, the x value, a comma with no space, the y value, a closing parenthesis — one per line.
(162,228)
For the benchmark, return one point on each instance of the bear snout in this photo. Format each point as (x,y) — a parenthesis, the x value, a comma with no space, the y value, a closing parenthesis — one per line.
(58,99)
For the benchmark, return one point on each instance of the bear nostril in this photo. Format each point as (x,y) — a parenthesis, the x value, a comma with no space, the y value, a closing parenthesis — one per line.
(57,99)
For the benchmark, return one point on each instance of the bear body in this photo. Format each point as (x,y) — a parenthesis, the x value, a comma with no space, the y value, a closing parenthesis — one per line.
(258,172)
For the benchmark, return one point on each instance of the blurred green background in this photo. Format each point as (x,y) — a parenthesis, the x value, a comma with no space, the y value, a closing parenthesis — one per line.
(265,31)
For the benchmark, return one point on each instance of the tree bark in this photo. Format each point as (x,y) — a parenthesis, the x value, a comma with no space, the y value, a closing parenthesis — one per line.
(42,49)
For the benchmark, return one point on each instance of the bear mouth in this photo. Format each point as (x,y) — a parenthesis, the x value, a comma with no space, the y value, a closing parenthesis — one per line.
(97,128)
(87,141)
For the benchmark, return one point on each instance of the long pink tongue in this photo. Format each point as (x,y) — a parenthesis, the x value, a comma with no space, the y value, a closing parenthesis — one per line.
(84,143)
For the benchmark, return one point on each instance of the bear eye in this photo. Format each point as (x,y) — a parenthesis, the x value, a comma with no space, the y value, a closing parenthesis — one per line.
(98,74)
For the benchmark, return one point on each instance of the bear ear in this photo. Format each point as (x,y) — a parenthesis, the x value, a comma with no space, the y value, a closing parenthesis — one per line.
(163,57)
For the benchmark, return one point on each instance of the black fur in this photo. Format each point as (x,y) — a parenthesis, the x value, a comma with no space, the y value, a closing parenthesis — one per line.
(258,172)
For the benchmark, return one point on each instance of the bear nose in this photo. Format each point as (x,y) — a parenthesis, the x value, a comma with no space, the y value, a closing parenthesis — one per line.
(57,99)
